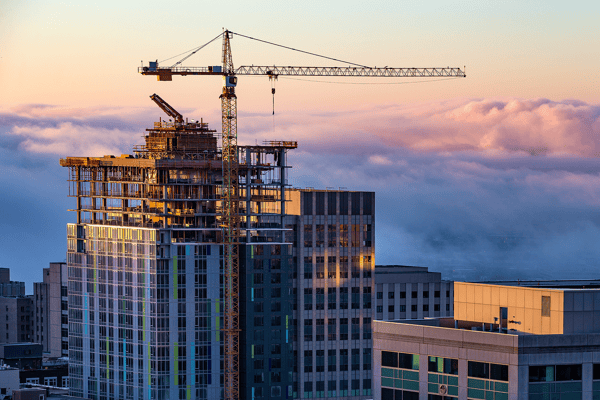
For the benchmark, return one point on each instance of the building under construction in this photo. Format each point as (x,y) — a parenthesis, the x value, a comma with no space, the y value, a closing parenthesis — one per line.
(145,260)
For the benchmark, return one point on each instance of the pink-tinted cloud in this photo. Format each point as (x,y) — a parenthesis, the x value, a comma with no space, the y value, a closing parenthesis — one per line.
(481,187)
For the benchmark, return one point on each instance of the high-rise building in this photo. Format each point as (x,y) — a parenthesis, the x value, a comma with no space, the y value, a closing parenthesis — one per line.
(335,253)
(145,270)
(50,309)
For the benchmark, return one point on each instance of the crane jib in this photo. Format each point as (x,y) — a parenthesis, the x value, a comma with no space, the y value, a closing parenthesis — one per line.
(312,71)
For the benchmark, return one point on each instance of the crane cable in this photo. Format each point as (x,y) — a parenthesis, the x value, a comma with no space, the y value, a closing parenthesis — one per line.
(193,51)
(301,51)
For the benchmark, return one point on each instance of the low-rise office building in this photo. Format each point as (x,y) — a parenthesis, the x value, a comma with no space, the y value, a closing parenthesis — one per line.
(405,292)
(505,342)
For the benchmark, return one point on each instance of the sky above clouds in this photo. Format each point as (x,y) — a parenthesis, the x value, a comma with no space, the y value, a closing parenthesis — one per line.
(489,177)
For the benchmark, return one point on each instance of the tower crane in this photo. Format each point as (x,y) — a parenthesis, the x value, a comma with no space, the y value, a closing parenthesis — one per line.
(230,218)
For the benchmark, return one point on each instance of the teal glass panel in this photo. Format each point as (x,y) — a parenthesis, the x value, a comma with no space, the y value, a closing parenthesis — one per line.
(596,395)
(453,380)
(476,393)
(568,387)
(432,378)
(549,373)
(501,387)
(413,376)
(501,396)
(570,396)
(540,388)
(476,384)
(398,374)
(596,386)
(489,395)
(387,372)
(432,388)
(452,390)
(411,385)
(398,383)
(387,382)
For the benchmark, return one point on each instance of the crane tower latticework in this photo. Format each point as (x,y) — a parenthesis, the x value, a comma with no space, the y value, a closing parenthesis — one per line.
(230,196)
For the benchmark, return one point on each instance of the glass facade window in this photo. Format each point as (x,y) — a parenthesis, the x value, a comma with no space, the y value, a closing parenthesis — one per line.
(554,381)
(487,380)
(442,376)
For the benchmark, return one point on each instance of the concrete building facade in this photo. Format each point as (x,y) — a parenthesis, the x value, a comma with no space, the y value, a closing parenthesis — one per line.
(51,312)
(513,344)
(405,292)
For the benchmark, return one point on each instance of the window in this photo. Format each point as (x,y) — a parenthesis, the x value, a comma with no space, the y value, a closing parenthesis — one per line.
(321,361)
(415,294)
(308,361)
(390,295)
(399,360)
(426,294)
(426,307)
(379,295)
(545,306)
(402,295)
(331,360)
(443,365)
(436,293)
(379,309)
(496,372)
(391,309)
(436,307)
(50,381)
(413,308)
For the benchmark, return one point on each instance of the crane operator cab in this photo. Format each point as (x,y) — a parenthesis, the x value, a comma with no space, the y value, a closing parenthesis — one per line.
(230,81)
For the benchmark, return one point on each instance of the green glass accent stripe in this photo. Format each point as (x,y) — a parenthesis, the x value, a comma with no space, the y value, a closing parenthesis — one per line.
(415,362)
(252,350)
(149,362)
(189,390)
(251,251)
(176,363)
(175,277)
(440,364)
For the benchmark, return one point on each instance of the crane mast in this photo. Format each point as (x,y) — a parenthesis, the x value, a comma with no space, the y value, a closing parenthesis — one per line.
(230,223)
(230,196)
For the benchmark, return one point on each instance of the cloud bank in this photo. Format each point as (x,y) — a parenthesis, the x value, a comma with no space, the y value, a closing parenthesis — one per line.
(475,188)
